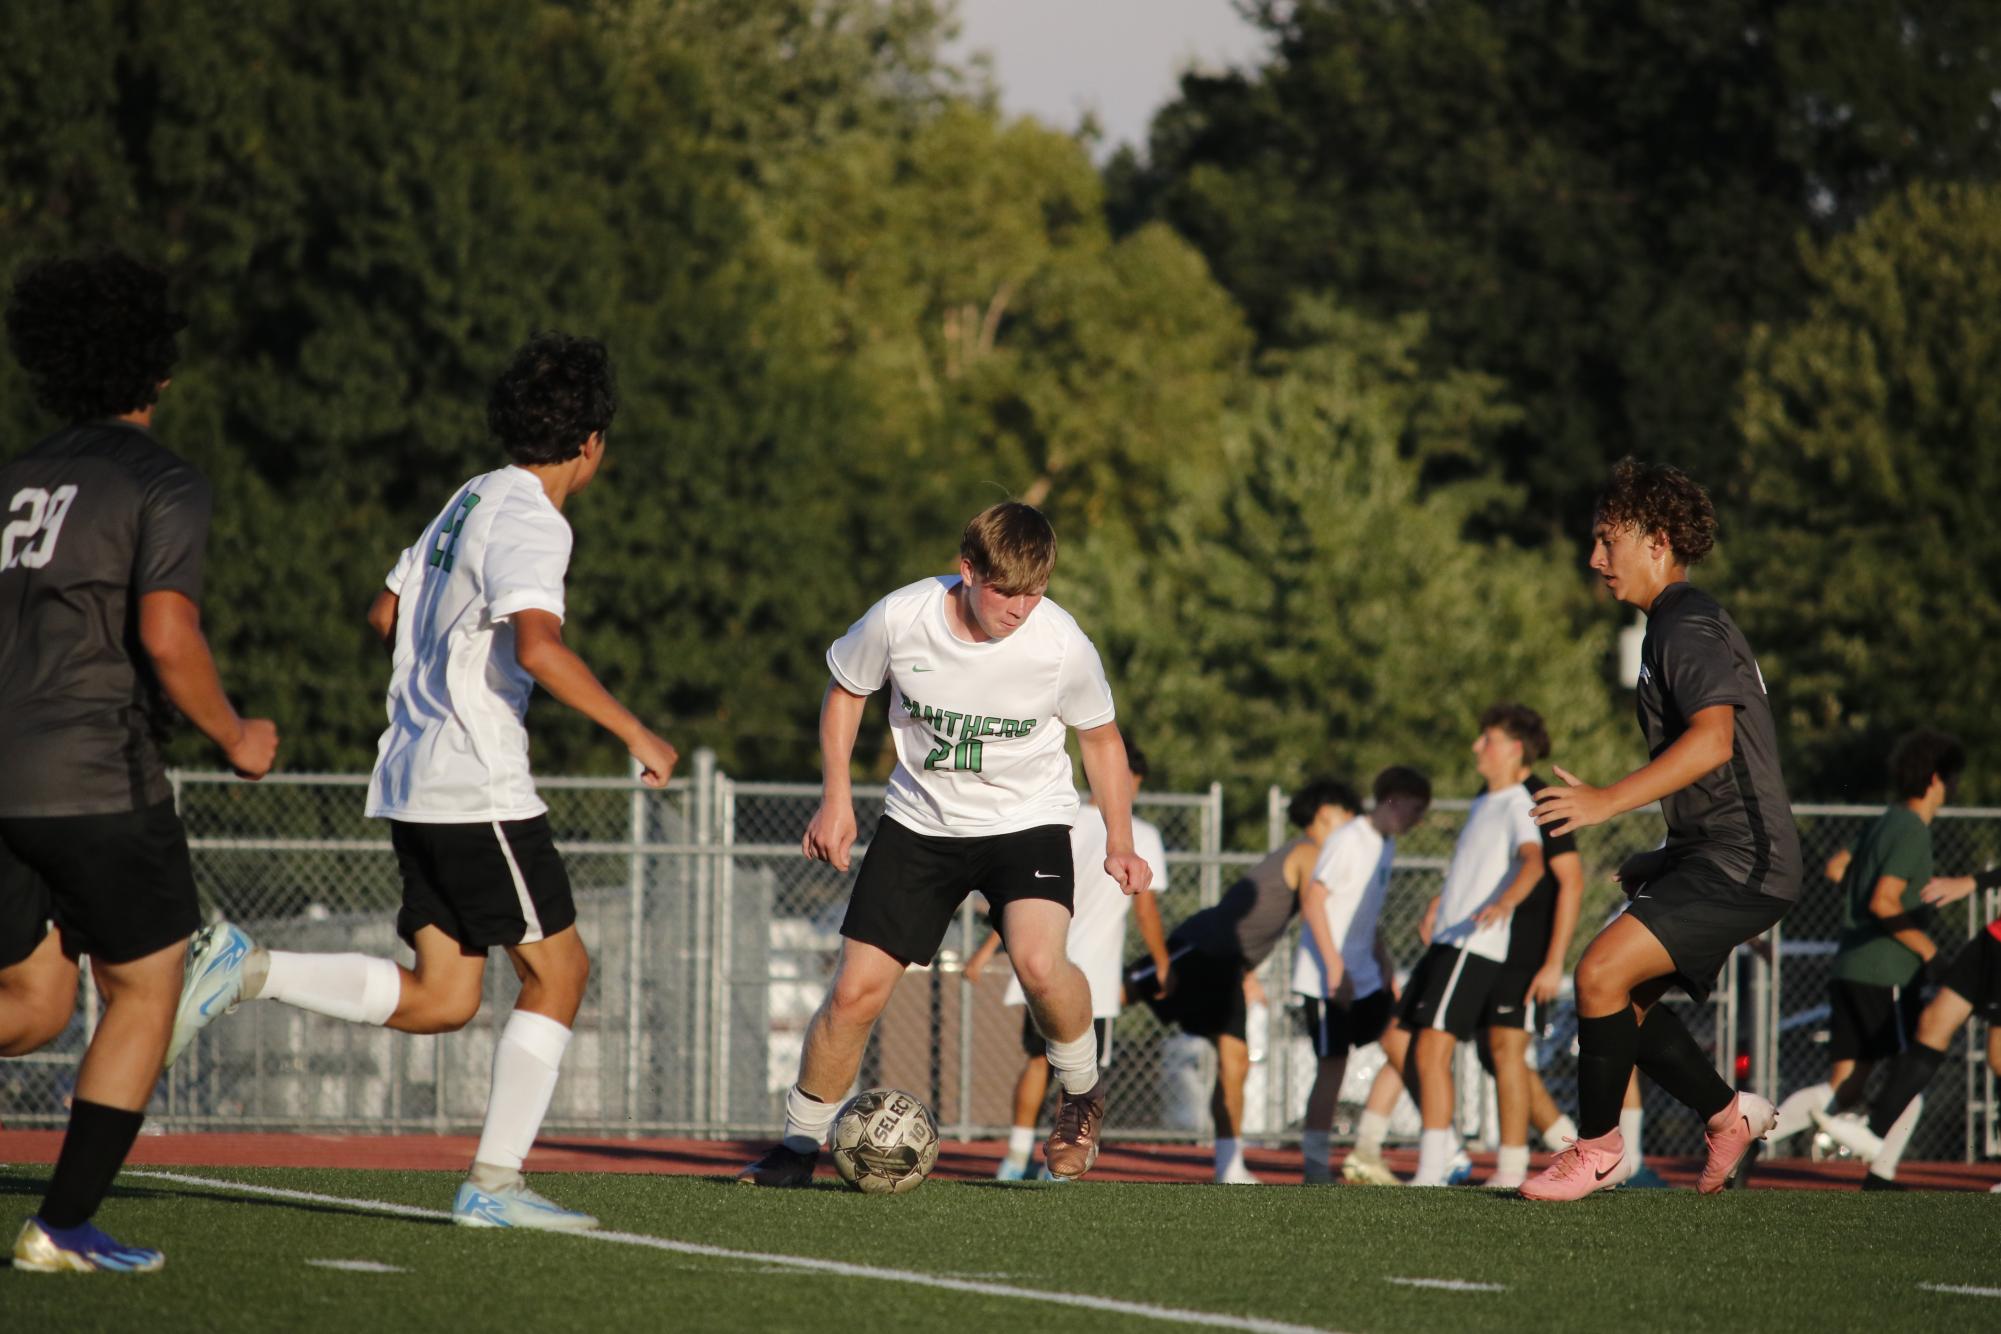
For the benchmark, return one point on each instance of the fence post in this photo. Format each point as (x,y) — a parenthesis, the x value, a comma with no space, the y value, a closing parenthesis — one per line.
(1211,887)
(966,929)
(1274,818)
(721,966)
(635,949)
(698,1025)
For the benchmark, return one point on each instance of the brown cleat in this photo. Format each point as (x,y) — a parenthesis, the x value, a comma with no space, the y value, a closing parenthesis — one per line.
(787,1169)
(1072,1146)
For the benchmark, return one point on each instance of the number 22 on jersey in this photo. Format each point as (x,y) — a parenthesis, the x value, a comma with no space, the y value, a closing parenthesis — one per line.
(30,539)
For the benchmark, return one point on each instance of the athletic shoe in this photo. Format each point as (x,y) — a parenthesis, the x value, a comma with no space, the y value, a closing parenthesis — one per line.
(1358,1169)
(83,1249)
(787,1169)
(1011,1171)
(1072,1146)
(1587,1165)
(515,1205)
(1644,1178)
(212,984)
(1460,1170)
(1043,1173)
(1870,1181)
(1851,1133)
(1730,1135)
(1238,1175)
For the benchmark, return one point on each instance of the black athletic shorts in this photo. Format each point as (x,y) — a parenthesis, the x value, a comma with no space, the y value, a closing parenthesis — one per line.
(1975,973)
(1208,996)
(1700,916)
(500,882)
(911,885)
(1448,991)
(1508,1004)
(119,887)
(1335,1029)
(1871,1023)
(1032,1043)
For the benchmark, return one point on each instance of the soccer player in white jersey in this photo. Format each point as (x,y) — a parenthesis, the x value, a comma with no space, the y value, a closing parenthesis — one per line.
(1096,945)
(985,674)
(1341,967)
(474,615)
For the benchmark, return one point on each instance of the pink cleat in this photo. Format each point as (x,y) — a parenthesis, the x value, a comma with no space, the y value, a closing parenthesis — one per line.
(1587,1165)
(1731,1133)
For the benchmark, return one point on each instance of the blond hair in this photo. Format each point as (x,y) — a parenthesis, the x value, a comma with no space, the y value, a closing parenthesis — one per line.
(1011,547)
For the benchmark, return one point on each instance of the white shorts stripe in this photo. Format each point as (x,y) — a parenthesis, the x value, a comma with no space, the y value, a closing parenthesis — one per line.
(533,931)
(1451,985)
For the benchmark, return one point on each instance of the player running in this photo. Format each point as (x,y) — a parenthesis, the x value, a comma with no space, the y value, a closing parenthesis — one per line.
(101,563)
(474,616)
(985,673)
(1730,867)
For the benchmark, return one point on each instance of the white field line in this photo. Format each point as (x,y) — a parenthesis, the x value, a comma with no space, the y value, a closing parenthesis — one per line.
(837,1268)
(1449,1284)
(1959,1290)
(357,1266)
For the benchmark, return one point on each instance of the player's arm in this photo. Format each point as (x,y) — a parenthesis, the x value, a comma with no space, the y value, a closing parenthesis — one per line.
(1104,752)
(1943,889)
(830,834)
(977,961)
(170,632)
(1385,966)
(382,617)
(539,648)
(1428,921)
(1568,868)
(1886,905)
(1313,911)
(1705,747)
(1528,874)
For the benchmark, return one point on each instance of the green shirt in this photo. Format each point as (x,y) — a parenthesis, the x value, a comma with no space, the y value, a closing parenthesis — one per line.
(1897,844)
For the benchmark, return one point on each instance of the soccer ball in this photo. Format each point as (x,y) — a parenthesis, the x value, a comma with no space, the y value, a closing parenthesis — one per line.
(885,1142)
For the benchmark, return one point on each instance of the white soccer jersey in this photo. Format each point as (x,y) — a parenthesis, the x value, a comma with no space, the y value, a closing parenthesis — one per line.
(978,727)
(1097,941)
(1354,865)
(1485,860)
(456,751)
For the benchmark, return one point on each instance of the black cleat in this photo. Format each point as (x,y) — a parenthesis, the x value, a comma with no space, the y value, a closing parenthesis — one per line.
(787,1169)
(1870,1181)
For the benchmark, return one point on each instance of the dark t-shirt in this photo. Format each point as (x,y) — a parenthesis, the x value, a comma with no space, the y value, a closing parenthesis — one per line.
(1897,844)
(1528,933)
(1737,817)
(1248,920)
(94,517)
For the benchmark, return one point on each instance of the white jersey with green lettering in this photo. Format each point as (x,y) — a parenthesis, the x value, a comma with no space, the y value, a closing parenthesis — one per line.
(978,727)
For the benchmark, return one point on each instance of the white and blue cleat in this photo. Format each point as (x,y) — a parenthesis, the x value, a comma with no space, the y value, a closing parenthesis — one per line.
(83,1249)
(515,1206)
(1011,1171)
(212,983)
(1460,1171)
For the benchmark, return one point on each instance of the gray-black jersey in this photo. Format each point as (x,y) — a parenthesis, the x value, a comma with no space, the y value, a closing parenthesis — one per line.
(1736,817)
(91,519)
(1250,917)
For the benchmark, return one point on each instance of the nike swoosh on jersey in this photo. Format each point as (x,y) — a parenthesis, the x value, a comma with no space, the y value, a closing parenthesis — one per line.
(1047,875)
(922,667)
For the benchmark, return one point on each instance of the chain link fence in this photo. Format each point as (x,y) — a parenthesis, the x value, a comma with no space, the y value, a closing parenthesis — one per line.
(713,941)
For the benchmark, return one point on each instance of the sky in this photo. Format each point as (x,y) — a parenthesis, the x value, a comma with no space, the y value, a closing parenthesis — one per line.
(1057,59)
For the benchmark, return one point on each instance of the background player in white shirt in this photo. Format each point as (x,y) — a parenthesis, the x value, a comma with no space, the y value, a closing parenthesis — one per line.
(1096,945)
(985,674)
(474,615)
(1340,966)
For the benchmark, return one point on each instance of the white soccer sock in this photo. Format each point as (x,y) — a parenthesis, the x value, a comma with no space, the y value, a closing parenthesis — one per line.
(1796,1112)
(1020,1144)
(1313,1148)
(359,988)
(525,1065)
(1370,1132)
(807,1120)
(1561,1131)
(1512,1162)
(1885,1163)
(1229,1157)
(1631,1119)
(1075,1063)
(1434,1157)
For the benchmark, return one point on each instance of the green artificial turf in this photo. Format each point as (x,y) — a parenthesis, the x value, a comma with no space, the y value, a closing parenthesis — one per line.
(1322,1257)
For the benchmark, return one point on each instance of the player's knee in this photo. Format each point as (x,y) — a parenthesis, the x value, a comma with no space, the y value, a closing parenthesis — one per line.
(439,1012)
(35,1026)
(858,999)
(1037,970)
(1600,986)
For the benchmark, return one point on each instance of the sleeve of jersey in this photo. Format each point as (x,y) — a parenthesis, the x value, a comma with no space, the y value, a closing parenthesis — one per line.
(400,574)
(1526,830)
(525,571)
(1345,875)
(1083,695)
(859,659)
(1700,670)
(1152,850)
(173,535)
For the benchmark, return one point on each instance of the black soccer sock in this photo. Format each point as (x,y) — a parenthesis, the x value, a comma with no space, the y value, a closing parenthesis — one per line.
(1605,1051)
(1910,1076)
(1669,1056)
(94,1149)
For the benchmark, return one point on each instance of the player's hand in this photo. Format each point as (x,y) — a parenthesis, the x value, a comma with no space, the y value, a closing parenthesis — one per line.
(975,966)
(255,749)
(1944,889)
(1130,872)
(1547,984)
(830,834)
(656,759)
(1169,979)
(1254,990)
(1634,872)
(1494,913)
(1576,805)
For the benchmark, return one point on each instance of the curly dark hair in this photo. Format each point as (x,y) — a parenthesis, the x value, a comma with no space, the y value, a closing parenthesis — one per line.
(554,395)
(96,336)
(1523,724)
(1918,756)
(1306,802)
(1659,498)
(1400,780)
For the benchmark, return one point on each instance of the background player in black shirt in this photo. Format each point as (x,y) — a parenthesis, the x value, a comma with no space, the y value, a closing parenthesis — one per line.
(1730,866)
(101,544)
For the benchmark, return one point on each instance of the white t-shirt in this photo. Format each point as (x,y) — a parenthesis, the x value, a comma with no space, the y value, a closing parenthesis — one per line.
(1354,865)
(978,727)
(1484,862)
(456,751)
(1097,941)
